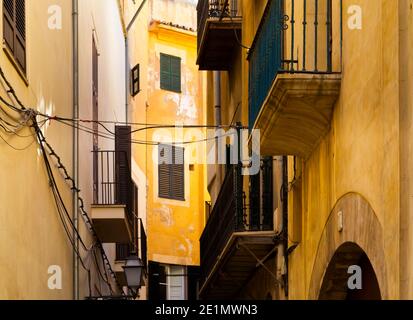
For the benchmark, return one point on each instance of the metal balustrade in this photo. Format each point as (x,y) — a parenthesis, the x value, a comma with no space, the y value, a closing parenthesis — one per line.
(294,36)
(231,212)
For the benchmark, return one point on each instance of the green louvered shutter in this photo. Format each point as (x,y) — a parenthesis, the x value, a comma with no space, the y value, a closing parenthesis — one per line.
(165,72)
(170,73)
(171,172)
(178,174)
(176,74)
(165,155)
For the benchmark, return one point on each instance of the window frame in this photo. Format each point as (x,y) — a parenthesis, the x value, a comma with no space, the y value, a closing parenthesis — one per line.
(171,174)
(19,35)
(135,80)
(169,74)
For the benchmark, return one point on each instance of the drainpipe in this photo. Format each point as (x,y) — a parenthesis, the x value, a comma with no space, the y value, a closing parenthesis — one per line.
(75,160)
(218,118)
(282,255)
(127,78)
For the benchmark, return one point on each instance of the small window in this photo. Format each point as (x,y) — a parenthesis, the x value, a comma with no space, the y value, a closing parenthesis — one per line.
(135,80)
(171,169)
(14,30)
(176,283)
(170,73)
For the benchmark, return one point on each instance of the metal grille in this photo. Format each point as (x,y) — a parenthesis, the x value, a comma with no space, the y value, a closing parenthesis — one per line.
(294,36)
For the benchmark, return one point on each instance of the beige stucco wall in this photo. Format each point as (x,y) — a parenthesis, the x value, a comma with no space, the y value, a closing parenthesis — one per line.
(32,237)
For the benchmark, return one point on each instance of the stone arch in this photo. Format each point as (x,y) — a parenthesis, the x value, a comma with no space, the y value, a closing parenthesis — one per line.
(361,227)
(335,281)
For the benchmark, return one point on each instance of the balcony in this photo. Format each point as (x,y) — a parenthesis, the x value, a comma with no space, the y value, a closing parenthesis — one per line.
(125,250)
(219,26)
(237,236)
(295,74)
(115,197)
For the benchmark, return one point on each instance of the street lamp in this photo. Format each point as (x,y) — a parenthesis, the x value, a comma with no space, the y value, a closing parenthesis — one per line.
(133,272)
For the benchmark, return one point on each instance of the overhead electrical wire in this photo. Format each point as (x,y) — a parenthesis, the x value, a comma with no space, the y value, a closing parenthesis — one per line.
(85,215)
(30,114)
(141,142)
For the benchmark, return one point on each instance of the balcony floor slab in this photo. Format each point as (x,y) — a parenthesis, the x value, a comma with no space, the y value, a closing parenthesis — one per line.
(110,223)
(297,113)
(235,264)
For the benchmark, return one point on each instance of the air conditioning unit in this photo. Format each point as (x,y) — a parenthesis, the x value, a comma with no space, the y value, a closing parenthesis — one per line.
(278,225)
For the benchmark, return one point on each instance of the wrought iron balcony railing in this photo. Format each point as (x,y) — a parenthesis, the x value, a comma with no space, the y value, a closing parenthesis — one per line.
(219,26)
(231,212)
(124,250)
(218,9)
(113,184)
(294,36)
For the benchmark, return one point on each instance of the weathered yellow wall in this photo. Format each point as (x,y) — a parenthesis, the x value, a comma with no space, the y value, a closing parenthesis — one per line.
(361,152)
(173,227)
(364,150)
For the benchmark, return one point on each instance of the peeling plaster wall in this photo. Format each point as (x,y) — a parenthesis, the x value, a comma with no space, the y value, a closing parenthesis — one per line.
(173,227)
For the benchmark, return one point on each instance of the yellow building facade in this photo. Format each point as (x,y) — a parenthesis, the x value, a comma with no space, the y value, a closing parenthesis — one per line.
(170,101)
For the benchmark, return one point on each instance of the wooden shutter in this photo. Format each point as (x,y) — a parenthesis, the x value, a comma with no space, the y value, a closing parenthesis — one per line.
(14,29)
(171,172)
(8,23)
(165,72)
(176,74)
(135,80)
(165,156)
(123,150)
(170,73)
(178,174)
(95,112)
(20,44)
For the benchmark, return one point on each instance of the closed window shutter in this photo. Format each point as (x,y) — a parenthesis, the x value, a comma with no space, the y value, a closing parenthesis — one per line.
(177,175)
(14,29)
(123,162)
(165,156)
(176,74)
(171,172)
(8,23)
(165,72)
(170,73)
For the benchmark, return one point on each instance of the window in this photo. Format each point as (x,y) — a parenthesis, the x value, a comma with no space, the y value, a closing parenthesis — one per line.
(135,80)
(171,282)
(171,172)
(14,30)
(176,283)
(170,73)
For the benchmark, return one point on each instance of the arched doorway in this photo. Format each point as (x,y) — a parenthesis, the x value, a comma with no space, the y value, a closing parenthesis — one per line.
(360,233)
(335,286)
